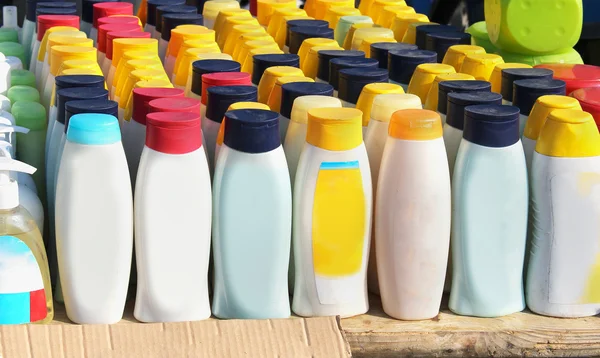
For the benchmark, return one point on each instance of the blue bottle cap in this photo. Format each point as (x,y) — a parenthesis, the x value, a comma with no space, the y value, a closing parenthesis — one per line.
(252,130)
(379,51)
(293,90)
(526,92)
(171,21)
(303,23)
(55,10)
(68,81)
(300,33)
(491,125)
(510,75)
(402,64)
(93,129)
(340,63)
(172,9)
(219,98)
(153,4)
(31,7)
(73,94)
(352,81)
(87,9)
(446,87)
(325,56)
(440,42)
(99,106)
(202,67)
(422,31)
(458,101)
(262,62)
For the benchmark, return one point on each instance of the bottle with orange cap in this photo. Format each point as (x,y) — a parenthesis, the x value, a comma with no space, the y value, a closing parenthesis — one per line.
(138,41)
(332,216)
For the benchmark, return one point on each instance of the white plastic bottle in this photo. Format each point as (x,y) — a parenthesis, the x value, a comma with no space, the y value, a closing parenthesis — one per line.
(5,69)
(413,216)
(172,199)
(563,277)
(332,216)
(94,220)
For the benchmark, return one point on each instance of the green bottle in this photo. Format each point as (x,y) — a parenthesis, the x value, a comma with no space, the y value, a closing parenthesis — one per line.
(23,93)
(9,35)
(22,77)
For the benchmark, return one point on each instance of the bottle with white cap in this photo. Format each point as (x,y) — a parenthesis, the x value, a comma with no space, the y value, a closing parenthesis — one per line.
(563,276)
(4,74)
(94,220)
(526,92)
(489,214)
(384,105)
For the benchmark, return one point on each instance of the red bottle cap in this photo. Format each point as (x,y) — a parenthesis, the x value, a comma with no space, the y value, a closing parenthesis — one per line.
(118,20)
(105,9)
(224,79)
(103,30)
(142,96)
(173,133)
(576,76)
(110,36)
(589,98)
(44,22)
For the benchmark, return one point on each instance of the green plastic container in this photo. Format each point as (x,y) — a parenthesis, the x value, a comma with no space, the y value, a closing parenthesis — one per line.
(480,37)
(22,78)
(13,49)
(565,56)
(23,93)
(9,35)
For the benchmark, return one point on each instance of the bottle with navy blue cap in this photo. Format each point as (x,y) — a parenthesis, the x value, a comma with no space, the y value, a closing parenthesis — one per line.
(29,27)
(252,219)
(262,62)
(440,42)
(510,75)
(526,92)
(219,98)
(303,23)
(87,15)
(422,31)
(94,221)
(340,63)
(402,64)
(300,33)
(202,67)
(151,15)
(171,21)
(172,9)
(289,93)
(489,214)
(325,57)
(352,81)
(380,50)
(460,86)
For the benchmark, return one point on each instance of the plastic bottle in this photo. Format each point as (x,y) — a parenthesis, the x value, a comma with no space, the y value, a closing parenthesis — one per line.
(300,33)
(455,55)
(402,64)
(461,86)
(344,24)
(181,34)
(526,92)
(107,8)
(138,41)
(274,101)
(353,80)
(431,103)
(576,76)
(270,76)
(325,56)
(22,78)
(480,65)
(262,62)
(332,187)
(5,80)
(496,77)
(367,97)
(58,38)
(510,75)
(202,67)
(171,21)
(46,22)
(489,214)
(212,9)
(341,63)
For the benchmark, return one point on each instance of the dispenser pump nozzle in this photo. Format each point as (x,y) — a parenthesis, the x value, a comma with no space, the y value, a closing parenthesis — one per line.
(9,189)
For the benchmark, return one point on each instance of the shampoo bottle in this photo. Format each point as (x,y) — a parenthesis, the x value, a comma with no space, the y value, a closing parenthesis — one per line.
(510,75)
(447,87)
(526,92)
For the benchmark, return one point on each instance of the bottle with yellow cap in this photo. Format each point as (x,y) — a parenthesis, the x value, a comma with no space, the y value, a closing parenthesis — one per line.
(127,44)
(496,77)
(214,7)
(424,76)
(270,76)
(345,23)
(43,55)
(563,276)
(179,35)
(432,100)
(332,216)
(60,39)
(413,216)
(128,56)
(367,97)
(455,56)
(187,45)
(481,65)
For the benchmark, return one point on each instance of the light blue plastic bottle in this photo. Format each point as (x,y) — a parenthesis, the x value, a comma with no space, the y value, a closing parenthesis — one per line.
(489,214)
(252,219)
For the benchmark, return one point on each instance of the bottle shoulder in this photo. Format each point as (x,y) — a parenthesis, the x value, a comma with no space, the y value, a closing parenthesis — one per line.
(16,221)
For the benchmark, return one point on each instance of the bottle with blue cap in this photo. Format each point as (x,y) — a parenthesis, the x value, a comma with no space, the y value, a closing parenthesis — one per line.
(262,62)
(51,8)
(252,221)
(171,21)
(151,20)
(440,42)
(202,67)
(325,57)
(289,93)
(94,220)
(352,81)
(510,75)
(291,24)
(460,86)
(380,50)
(489,214)
(402,64)
(300,33)
(423,30)
(87,15)
(526,92)
(340,63)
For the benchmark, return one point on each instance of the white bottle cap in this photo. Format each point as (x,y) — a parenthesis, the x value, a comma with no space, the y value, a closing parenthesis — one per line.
(9,17)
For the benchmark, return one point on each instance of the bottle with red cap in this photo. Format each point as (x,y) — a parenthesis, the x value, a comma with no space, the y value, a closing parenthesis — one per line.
(45,22)
(107,8)
(105,29)
(575,76)
(589,98)
(216,79)
(172,200)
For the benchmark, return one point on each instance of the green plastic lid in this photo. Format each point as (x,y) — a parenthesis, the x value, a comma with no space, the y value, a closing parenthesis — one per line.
(9,35)
(480,37)
(13,49)
(23,93)
(30,115)
(569,56)
(22,77)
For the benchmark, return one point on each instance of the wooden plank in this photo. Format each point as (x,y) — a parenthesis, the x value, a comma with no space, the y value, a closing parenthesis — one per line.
(376,335)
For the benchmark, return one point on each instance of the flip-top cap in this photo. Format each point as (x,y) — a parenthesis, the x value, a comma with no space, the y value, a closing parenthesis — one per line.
(22,77)
(352,81)
(143,96)
(170,9)
(104,9)
(202,67)
(458,101)
(462,86)
(300,33)
(177,104)
(493,126)
(569,133)
(576,76)
(440,42)
(542,108)
(23,93)
(325,56)
(68,81)
(252,130)
(303,23)
(44,22)
(220,98)
(589,98)
(262,62)
(171,21)
(174,133)
(415,124)
(526,92)
(291,91)
(100,106)
(31,7)
(379,51)
(422,31)
(402,64)
(76,93)
(116,30)
(153,4)
(510,75)
(93,129)
(340,63)
(223,79)
(87,9)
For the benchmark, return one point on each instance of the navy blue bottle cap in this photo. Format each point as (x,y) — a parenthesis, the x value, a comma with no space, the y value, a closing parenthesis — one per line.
(526,92)
(440,42)
(458,101)
(340,63)
(446,87)
(300,33)
(202,67)
(293,90)
(301,22)
(68,81)
(379,51)
(73,94)
(31,7)
(153,4)
(491,125)
(510,75)
(219,98)
(252,130)
(262,62)
(325,56)
(402,64)
(101,106)
(55,10)
(172,9)
(352,81)
(171,21)
(422,31)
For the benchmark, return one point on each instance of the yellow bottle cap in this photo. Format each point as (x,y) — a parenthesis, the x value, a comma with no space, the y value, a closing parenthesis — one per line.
(133,65)
(496,77)
(274,101)
(137,76)
(368,95)
(64,30)
(310,66)
(55,40)
(231,42)
(323,5)
(386,19)
(249,36)
(369,32)
(431,102)
(350,34)
(376,11)
(248,65)
(143,84)
(230,22)
(189,44)
(423,78)
(410,36)
(265,9)
(191,55)
(334,13)
(384,105)
(365,46)
(187,32)
(131,55)
(281,35)
(254,44)
(303,104)
(569,133)
(212,8)
(415,124)
(233,107)
(122,45)
(277,19)
(364,6)
(310,7)
(224,14)
(542,108)
(401,22)
(335,129)
(312,42)
(456,54)
(271,74)
(84,64)
(480,66)
(59,54)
